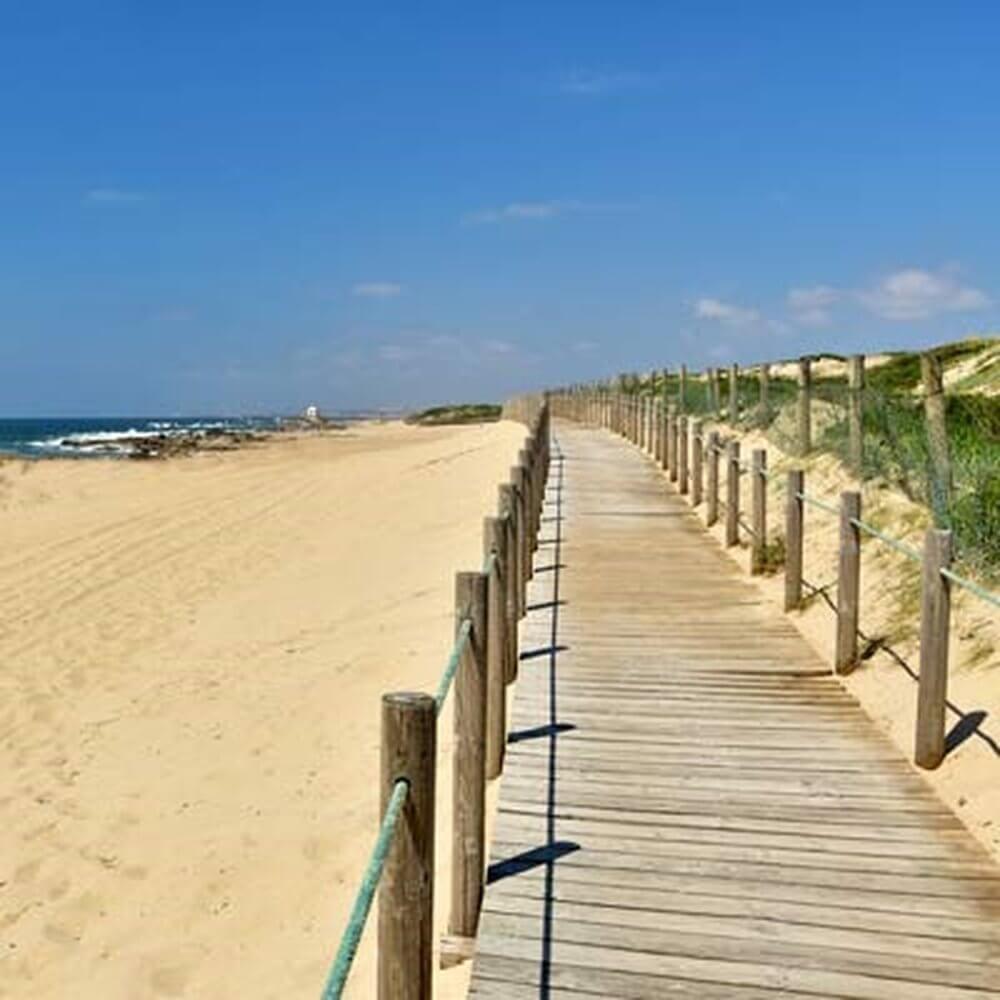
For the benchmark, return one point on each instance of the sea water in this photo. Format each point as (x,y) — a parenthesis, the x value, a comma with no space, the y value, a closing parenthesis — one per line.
(107,436)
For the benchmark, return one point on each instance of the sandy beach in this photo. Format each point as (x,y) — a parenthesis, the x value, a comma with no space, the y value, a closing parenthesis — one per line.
(193,654)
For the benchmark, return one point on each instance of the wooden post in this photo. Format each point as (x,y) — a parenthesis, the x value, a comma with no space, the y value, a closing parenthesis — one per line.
(672,443)
(848,583)
(682,390)
(733,493)
(406,890)
(511,588)
(495,546)
(697,448)
(937,430)
(794,509)
(712,511)
(517,484)
(764,403)
(524,488)
(805,407)
(682,454)
(759,510)
(734,394)
(664,434)
(935,618)
(468,847)
(855,394)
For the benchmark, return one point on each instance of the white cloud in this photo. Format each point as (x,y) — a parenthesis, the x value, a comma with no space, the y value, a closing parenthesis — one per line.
(396,353)
(376,290)
(913,294)
(811,306)
(517,211)
(725,312)
(585,83)
(113,196)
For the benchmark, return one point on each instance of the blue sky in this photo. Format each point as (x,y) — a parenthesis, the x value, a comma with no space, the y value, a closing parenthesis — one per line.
(251,206)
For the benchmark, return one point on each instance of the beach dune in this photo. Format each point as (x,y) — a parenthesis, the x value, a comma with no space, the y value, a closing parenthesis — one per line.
(192,656)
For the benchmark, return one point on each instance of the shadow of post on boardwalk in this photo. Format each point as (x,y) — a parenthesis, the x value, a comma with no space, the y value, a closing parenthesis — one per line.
(548,854)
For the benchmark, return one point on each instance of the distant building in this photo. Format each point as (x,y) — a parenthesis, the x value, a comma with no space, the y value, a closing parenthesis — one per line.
(311,414)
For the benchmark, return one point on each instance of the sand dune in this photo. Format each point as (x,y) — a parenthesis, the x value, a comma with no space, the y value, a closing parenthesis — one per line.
(192,656)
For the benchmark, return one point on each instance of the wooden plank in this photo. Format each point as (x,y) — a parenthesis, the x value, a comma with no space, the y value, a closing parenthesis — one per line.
(691,805)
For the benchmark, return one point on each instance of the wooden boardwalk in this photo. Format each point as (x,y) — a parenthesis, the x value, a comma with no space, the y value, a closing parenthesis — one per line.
(691,806)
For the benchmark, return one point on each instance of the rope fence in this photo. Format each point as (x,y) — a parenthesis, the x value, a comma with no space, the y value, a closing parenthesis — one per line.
(482,662)
(653,427)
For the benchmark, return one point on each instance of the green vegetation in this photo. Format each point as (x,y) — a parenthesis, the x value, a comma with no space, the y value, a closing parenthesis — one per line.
(895,444)
(461,413)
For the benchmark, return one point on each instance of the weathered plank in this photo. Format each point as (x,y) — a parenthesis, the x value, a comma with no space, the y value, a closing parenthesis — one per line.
(692,806)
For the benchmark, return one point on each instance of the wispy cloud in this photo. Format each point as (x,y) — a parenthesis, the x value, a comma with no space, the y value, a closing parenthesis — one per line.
(538,211)
(914,294)
(519,211)
(376,290)
(811,306)
(725,312)
(588,83)
(113,196)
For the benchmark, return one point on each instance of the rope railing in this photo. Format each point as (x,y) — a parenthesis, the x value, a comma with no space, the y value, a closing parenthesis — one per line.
(972,587)
(341,968)
(660,441)
(482,661)
(451,668)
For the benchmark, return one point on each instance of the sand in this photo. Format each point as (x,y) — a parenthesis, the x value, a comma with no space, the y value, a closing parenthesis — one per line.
(192,658)
(968,781)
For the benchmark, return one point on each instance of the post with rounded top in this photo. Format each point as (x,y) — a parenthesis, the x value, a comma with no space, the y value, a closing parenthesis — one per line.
(794,510)
(848,583)
(517,482)
(935,617)
(508,515)
(758,513)
(664,434)
(672,443)
(495,553)
(697,449)
(805,407)
(734,394)
(524,487)
(733,493)
(406,890)
(682,390)
(712,510)
(682,454)
(855,392)
(469,785)
(764,404)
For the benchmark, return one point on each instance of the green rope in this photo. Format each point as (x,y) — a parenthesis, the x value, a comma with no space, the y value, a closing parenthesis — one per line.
(828,507)
(366,894)
(893,543)
(970,586)
(464,631)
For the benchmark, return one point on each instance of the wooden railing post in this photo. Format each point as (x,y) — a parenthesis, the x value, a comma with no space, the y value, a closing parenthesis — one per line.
(664,434)
(469,786)
(935,619)
(794,509)
(855,416)
(697,452)
(733,493)
(759,510)
(764,404)
(520,530)
(805,407)
(495,545)
(406,890)
(522,484)
(671,443)
(682,390)
(848,583)
(508,514)
(712,511)
(734,394)
(682,454)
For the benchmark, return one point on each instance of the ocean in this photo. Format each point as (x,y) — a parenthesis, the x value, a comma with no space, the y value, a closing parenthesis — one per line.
(107,437)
